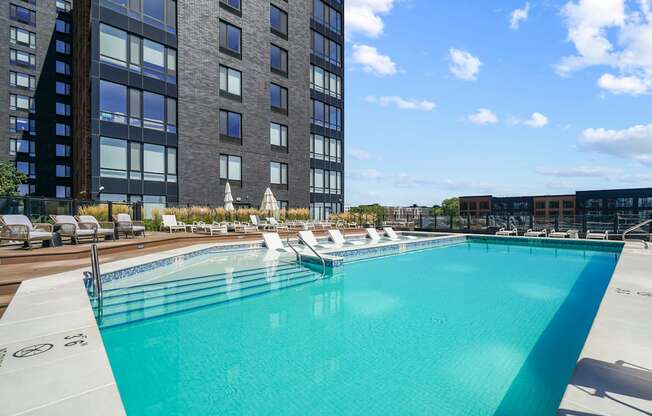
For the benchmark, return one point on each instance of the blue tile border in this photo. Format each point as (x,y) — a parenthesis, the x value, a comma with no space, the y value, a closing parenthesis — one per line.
(572,244)
(383,249)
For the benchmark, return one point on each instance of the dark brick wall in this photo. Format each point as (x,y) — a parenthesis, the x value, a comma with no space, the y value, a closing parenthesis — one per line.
(200,102)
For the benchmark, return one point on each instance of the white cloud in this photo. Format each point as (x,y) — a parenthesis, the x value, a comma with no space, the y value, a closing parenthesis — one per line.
(579,171)
(632,143)
(483,116)
(518,16)
(372,61)
(632,85)
(363,155)
(464,65)
(364,16)
(613,33)
(365,174)
(402,103)
(537,120)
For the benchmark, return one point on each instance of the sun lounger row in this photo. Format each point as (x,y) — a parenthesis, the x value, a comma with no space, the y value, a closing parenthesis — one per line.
(571,233)
(337,240)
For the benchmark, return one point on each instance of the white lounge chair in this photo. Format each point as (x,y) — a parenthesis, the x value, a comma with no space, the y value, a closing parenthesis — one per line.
(503,231)
(535,233)
(277,225)
(310,239)
(391,234)
(255,221)
(337,238)
(20,228)
(102,228)
(563,234)
(170,222)
(68,226)
(373,235)
(125,225)
(273,242)
(591,235)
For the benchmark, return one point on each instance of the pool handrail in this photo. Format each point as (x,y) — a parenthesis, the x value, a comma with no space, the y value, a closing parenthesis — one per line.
(323,262)
(635,227)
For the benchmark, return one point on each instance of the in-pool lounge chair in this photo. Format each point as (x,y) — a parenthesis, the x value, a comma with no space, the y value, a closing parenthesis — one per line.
(535,233)
(20,228)
(102,228)
(391,234)
(593,235)
(170,222)
(124,224)
(373,235)
(309,238)
(273,242)
(505,232)
(338,239)
(68,226)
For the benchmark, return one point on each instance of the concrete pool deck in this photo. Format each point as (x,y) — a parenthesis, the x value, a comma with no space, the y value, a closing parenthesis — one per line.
(53,362)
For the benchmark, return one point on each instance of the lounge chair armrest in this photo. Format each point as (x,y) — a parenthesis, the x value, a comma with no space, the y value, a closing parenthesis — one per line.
(87,225)
(107,225)
(138,223)
(123,224)
(14,231)
(43,226)
(66,228)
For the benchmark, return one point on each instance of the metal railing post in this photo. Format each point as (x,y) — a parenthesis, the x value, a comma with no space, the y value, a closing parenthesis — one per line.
(616,223)
(109,211)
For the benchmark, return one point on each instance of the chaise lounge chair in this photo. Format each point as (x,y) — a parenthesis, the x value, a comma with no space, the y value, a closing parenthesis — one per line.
(277,226)
(309,238)
(391,234)
(591,235)
(373,235)
(20,228)
(505,232)
(170,222)
(337,238)
(125,225)
(273,242)
(68,226)
(102,228)
(535,233)
(563,234)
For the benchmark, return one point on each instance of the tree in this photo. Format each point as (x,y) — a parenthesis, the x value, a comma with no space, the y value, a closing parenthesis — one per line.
(449,206)
(375,209)
(10,178)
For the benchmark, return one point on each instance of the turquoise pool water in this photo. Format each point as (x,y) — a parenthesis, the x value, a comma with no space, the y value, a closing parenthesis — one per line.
(469,329)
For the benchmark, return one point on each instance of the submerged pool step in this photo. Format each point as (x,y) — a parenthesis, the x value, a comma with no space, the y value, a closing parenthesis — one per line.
(150,308)
(111,292)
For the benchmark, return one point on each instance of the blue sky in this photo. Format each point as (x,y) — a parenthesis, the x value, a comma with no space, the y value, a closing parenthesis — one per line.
(448,98)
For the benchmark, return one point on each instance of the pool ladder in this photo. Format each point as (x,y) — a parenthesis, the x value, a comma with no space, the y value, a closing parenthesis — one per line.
(635,227)
(98,293)
(321,258)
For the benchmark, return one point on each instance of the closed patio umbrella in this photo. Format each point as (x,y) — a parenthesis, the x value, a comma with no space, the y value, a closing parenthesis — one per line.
(228,198)
(269,203)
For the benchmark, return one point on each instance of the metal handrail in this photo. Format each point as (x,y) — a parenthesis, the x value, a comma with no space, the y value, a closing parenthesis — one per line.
(635,227)
(287,240)
(323,262)
(98,292)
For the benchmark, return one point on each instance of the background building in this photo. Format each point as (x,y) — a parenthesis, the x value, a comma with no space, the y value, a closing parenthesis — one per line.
(172,99)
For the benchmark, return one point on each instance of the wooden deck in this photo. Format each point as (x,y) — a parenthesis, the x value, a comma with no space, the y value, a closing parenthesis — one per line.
(18,264)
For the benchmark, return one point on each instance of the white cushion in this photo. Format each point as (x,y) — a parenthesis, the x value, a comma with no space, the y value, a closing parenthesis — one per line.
(17,219)
(104,231)
(85,232)
(124,218)
(67,219)
(137,228)
(40,235)
(88,218)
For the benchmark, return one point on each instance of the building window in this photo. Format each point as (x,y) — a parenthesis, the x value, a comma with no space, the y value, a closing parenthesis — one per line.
(230,124)
(62,47)
(63,171)
(283,204)
(135,164)
(172,165)
(22,80)
(325,115)
(25,189)
(62,26)
(325,181)
(171,115)
(113,102)
(62,109)
(326,49)
(18,36)
(278,60)
(325,82)
(113,158)
(63,150)
(327,16)
(22,15)
(278,21)
(568,204)
(645,202)
(62,129)
(22,146)
(22,124)
(19,102)
(62,68)
(234,4)
(21,58)
(230,81)
(278,135)
(62,191)
(325,148)
(161,14)
(230,39)
(62,88)
(153,111)
(154,162)
(231,167)
(620,203)
(278,98)
(278,173)
(64,6)
(113,45)
(28,168)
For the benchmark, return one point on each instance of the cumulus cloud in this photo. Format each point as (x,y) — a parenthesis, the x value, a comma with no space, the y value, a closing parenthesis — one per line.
(633,143)
(364,16)
(483,116)
(463,65)
(519,16)
(536,120)
(372,61)
(614,33)
(363,155)
(402,103)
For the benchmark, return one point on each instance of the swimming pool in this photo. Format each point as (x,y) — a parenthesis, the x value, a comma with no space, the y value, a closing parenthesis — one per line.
(472,328)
